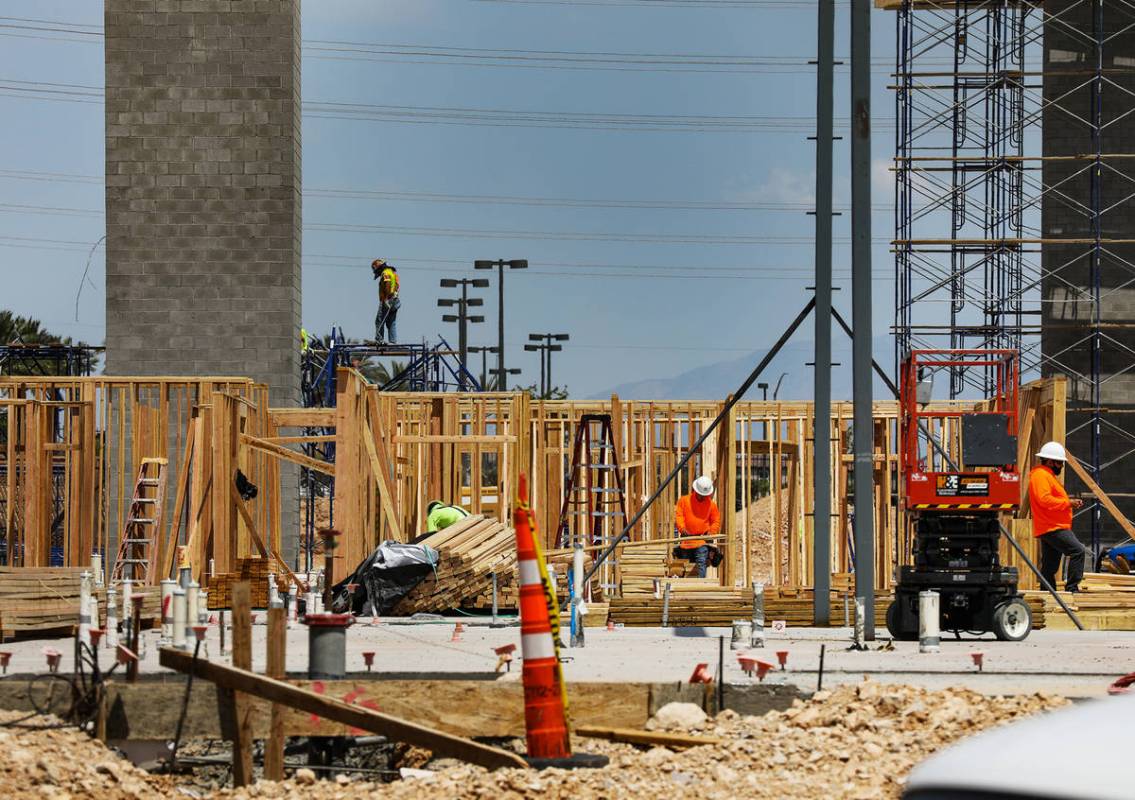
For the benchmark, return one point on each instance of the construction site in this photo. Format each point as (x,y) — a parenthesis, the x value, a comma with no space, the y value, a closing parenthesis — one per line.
(241,558)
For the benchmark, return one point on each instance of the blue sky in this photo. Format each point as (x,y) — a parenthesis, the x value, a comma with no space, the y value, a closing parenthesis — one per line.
(637,307)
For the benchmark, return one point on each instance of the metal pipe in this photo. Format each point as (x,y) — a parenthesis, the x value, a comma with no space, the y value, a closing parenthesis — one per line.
(821,478)
(864,430)
(696,446)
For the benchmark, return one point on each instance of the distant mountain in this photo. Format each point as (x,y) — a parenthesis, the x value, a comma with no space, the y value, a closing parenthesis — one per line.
(716,380)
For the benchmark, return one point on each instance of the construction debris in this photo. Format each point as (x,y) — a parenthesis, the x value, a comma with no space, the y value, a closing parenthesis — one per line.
(43,759)
(855,742)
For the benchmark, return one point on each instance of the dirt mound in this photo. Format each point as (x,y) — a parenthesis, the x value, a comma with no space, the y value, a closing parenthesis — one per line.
(856,742)
(760,524)
(43,759)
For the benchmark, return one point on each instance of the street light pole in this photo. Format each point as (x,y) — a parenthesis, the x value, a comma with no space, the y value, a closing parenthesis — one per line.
(462,318)
(500,264)
(546,348)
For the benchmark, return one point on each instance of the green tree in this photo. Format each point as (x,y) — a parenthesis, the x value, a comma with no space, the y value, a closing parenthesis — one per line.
(17,330)
(556,392)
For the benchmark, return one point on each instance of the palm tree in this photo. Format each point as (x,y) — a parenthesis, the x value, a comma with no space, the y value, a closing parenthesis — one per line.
(25,330)
(17,330)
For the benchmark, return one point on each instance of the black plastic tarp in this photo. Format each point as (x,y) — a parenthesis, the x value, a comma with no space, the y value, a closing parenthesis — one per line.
(383,578)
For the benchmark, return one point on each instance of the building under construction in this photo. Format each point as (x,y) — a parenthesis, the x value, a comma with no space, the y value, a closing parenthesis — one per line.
(223,573)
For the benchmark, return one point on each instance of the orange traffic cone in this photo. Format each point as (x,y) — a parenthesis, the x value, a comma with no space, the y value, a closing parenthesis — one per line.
(545,715)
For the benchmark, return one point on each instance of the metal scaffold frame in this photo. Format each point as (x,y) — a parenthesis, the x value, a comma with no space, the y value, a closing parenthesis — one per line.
(976,265)
(428,368)
(48,359)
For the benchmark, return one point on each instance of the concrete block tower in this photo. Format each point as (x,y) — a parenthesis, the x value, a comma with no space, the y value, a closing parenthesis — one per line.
(1084,117)
(203,189)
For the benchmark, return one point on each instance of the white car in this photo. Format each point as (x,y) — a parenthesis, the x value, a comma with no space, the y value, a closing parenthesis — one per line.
(1078,753)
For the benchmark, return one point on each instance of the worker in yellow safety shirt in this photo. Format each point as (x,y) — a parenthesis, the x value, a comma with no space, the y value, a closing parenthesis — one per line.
(439,516)
(696,515)
(1052,518)
(388,302)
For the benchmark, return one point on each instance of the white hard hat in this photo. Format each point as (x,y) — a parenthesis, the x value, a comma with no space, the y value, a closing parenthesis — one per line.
(1054,451)
(703,486)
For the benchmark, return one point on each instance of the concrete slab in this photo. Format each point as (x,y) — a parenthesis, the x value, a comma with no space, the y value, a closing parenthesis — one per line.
(1071,663)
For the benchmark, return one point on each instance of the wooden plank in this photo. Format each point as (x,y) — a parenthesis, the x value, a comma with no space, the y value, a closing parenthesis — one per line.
(385,493)
(245,681)
(1101,495)
(288,455)
(274,747)
(675,741)
(296,439)
(242,660)
(302,417)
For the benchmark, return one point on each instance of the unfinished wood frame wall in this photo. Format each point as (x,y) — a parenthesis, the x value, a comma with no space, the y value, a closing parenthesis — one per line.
(70,449)
(426,436)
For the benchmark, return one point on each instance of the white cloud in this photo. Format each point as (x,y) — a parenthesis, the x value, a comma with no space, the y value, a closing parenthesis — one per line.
(785,185)
(882,180)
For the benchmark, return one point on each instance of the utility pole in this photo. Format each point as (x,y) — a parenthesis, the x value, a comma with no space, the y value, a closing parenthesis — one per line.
(546,348)
(822,394)
(462,317)
(519,263)
(863,433)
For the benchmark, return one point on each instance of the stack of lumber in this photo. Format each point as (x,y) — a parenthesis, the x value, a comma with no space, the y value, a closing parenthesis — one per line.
(702,602)
(693,602)
(508,584)
(640,565)
(1106,603)
(253,571)
(41,601)
(468,552)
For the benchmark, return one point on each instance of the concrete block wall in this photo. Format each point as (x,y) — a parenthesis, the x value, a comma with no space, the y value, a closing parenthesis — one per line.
(203,193)
(203,189)
(1066,339)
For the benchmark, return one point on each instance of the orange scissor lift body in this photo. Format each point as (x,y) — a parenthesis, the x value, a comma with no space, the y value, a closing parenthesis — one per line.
(956,486)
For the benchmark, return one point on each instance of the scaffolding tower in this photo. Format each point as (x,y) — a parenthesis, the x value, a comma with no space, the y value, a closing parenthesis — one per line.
(1014,212)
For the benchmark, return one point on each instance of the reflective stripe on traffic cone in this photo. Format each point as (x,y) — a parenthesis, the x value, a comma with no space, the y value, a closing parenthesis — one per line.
(545,717)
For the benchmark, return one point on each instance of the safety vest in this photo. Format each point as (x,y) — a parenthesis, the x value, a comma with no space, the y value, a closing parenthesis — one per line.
(388,284)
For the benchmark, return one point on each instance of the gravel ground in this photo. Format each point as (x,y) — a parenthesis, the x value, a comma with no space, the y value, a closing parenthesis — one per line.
(857,741)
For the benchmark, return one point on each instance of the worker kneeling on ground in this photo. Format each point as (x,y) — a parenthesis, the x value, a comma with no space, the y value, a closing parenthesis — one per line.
(439,516)
(697,515)
(1052,518)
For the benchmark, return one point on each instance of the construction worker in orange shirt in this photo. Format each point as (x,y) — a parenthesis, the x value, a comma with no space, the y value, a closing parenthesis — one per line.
(1052,518)
(696,515)
(388,302)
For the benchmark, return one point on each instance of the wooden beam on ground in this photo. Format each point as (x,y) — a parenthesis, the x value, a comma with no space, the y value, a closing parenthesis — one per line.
(242,660)
(288,455)
(274,747)
(245,681)
(675,741)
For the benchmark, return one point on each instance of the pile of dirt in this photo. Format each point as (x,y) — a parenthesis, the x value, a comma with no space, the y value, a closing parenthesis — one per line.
(760,524)
(42,758)
(856,741)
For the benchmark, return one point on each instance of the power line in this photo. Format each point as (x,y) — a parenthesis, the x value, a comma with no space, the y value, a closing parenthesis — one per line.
(497,117)
(481,199)
(594,236)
